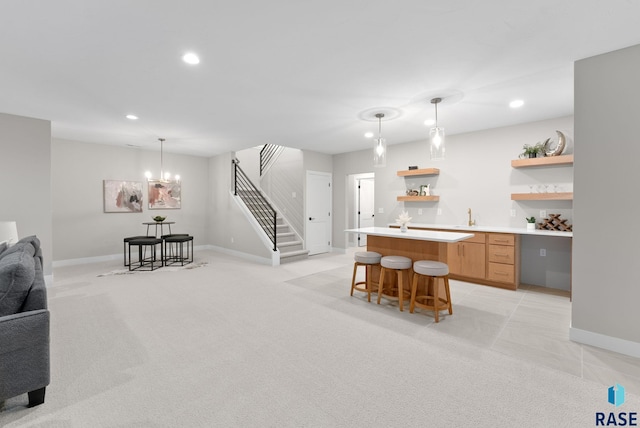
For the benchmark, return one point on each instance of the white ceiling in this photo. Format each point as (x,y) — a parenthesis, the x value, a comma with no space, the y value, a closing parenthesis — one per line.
(296,73)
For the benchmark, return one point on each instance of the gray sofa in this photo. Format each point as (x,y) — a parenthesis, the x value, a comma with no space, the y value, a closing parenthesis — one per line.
(24,322)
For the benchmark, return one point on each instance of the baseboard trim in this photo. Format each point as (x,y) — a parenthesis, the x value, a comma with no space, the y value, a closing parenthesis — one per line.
(273,261)
(609,343)
(107,258)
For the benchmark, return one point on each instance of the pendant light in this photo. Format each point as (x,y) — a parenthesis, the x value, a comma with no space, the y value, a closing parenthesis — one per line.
(380,146)
(164,176)
(436,136)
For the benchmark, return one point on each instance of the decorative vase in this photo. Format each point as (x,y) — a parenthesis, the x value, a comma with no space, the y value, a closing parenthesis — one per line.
(531,226)
(403,228)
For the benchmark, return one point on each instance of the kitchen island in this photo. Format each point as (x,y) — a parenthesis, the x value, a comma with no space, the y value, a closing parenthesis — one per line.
(414,244)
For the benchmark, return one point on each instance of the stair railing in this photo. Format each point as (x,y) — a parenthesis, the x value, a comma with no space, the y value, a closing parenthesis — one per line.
(267,154)
(256,202)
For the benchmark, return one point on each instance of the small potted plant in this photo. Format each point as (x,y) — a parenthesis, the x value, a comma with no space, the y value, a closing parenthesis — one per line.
(535,151)
(531,223)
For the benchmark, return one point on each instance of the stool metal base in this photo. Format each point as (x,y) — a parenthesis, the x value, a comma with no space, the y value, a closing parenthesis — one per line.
(145,263)
(174,250)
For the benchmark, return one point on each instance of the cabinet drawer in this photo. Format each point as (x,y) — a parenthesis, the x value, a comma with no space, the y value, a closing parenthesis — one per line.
(501,239)
(477,237)
(501,273)
(502,254)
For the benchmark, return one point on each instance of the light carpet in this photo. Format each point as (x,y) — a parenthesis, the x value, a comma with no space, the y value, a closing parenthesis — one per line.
(244,345)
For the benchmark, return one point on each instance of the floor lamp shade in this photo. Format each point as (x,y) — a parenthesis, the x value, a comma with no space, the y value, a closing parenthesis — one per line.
(8,232)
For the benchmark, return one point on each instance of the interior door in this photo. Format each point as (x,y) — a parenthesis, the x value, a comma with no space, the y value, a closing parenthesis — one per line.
(365,207)
(318,224)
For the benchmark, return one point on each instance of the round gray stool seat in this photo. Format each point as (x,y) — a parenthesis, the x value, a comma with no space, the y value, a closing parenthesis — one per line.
(431,268)
(396,262)
(367,257)
(402,267)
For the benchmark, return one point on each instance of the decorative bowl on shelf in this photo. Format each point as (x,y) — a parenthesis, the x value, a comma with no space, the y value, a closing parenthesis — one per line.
(159,218)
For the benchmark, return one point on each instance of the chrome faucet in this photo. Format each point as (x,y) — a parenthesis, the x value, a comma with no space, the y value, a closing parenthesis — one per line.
(471,222)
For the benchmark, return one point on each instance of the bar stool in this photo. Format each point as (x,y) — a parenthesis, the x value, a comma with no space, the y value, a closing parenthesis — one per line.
(129,239)
(175,252)
(433,271)
(149,262)
(368,259)
(400,265)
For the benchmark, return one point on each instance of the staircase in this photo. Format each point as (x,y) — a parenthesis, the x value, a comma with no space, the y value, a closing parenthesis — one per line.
(276,228)
(291,248)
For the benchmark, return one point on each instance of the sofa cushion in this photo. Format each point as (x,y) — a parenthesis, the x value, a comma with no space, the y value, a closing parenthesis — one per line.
(17,273)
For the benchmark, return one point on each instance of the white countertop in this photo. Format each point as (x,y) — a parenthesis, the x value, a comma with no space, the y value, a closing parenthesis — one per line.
(497,229)
(424,235)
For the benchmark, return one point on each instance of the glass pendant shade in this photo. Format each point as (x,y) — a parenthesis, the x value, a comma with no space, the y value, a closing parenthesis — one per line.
(436,136)
(436,143)
(380,152)
(380,146)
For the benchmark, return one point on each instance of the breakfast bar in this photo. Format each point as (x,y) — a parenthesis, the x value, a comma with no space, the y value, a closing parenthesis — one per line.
(414,244)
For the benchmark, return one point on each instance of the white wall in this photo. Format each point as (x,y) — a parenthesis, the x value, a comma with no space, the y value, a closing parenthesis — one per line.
(476,174)
(606,278)
(284,185)
(230,230)
(81,227)
(25,150)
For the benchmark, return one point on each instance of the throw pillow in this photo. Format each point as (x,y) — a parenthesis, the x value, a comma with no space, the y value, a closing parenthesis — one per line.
(17,273)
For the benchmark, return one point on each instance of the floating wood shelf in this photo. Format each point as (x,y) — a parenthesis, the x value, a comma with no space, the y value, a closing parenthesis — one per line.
(560,196)
(545,161)
(423,171)
(418,198)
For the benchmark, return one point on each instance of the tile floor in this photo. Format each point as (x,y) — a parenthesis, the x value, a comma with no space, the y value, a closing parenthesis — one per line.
(531,324)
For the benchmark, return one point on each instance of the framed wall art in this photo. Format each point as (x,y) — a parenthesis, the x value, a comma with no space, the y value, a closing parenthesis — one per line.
(164,194)
(122,196)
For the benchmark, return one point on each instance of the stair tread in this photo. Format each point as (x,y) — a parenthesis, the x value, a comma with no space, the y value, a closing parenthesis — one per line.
(293,253)
(289,244)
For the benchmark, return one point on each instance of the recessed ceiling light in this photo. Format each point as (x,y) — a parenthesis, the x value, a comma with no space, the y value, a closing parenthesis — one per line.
(132,117)
(191,58)
(368,135)
(516,103)
(429,122)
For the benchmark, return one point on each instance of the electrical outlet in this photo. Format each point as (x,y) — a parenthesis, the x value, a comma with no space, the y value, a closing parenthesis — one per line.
(543,252)
(419,211)
(513,213)
(293,194)
(232,239)
(543,213)
(380,210)
(439,211)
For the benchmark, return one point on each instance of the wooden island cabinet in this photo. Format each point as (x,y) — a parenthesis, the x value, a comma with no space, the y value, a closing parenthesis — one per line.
(487,258)
(467,258)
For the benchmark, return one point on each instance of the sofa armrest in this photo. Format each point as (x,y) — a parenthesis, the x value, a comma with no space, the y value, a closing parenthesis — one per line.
(23,330)
(24,352)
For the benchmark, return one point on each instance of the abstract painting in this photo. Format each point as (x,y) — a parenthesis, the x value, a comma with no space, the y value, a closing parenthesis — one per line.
(164,194)
(122,196)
